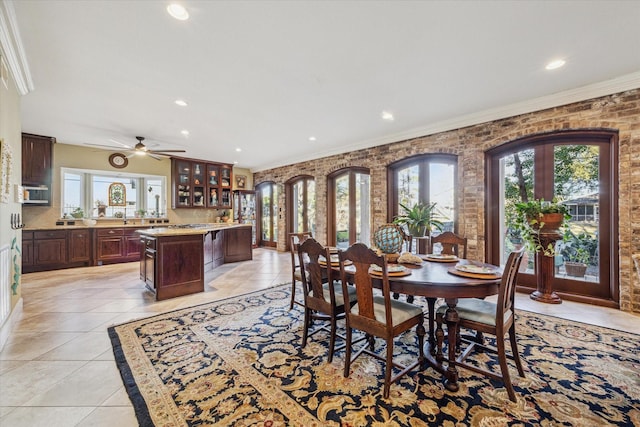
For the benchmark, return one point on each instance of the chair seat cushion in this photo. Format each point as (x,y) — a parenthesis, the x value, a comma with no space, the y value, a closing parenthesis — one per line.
(400,310)
(337,286)
(297,275)
(476,310)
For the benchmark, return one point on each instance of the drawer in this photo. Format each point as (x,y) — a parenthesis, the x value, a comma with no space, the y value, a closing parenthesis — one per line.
(132,231)
(150,243)
(27,235)
(111,232)
(50,234)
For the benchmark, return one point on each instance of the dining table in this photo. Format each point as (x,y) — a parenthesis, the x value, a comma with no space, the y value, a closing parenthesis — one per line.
(450,279)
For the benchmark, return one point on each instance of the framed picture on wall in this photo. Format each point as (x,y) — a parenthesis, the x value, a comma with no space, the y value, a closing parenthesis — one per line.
(241,181)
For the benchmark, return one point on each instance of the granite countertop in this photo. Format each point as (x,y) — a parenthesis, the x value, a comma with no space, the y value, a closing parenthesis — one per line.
(168,228)
(185,229)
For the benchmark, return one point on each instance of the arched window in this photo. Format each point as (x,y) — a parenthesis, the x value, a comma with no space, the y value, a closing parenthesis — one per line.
(301,204)
(580,169)
(267,207)
(348,199)
(428,178)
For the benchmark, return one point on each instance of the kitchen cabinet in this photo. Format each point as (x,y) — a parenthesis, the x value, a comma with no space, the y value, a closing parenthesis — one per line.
(199,184)
(244,210)
(50,247)
(213,249)
(37,156)
(237,244)
(27,250)
(115,245)
(80,246)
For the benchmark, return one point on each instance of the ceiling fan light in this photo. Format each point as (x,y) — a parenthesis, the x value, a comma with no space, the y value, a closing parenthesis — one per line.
(178,11)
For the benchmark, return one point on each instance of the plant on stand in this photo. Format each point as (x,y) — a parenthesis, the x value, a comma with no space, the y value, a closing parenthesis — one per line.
(578,250)
(540,222)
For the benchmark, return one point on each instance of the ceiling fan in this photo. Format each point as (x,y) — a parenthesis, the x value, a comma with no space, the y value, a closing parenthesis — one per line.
(140,149)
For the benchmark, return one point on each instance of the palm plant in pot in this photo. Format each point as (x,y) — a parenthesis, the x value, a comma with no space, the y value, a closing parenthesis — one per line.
(419,219)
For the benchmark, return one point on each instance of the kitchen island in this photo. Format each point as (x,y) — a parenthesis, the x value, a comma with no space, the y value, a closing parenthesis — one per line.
(173,259)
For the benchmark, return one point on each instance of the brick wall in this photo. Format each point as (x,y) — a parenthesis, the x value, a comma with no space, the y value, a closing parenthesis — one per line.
(620,111)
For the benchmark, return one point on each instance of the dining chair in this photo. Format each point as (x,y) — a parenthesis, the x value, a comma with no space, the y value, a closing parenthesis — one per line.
(323,296)
(493,318)
(376,315)
(452,244)
(294,239)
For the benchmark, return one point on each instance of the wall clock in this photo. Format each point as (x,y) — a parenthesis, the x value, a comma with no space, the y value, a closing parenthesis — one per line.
(118,160)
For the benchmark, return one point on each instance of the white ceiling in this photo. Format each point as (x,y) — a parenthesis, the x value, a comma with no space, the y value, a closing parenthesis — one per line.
(264,76)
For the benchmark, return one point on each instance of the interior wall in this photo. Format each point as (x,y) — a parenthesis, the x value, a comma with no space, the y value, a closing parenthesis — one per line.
(81,157)
(619,111)
(10,134)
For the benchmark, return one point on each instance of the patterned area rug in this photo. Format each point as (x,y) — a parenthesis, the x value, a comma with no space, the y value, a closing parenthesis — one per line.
(238,362)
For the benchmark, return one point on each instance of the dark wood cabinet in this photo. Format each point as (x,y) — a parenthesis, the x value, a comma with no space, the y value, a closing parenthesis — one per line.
(115,245)
(27,249)
(79,246)
(213,249)
(237,244)
(199,184)
(37,157)
(50,247)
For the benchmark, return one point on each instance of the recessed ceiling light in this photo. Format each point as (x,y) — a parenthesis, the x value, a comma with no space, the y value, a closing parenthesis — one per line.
(178,11)
(235,162)
(555,64)
(181,102)
(238,149)
(387,115)
(184,132)
(312,138)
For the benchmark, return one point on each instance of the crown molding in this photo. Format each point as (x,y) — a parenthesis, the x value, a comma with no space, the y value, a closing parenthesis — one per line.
(596,90)
(12,50)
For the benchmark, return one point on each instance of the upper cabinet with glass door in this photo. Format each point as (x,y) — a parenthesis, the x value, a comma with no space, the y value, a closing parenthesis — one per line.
(199,184)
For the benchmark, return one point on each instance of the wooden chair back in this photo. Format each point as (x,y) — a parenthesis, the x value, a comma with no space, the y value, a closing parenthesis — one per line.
(315,273)
(452,244)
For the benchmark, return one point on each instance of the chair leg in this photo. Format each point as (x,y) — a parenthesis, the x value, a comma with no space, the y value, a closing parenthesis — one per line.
(332,338)
(307,325)
(388,368)
(431,303)
(421,333)
(504,368)
(347,356)
(293,292)
(514,350)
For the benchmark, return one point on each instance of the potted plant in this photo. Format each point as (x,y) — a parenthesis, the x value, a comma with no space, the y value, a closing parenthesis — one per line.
(538,216)
(577,251)
(419,219)
(77,212)
(140,213)
(224,217)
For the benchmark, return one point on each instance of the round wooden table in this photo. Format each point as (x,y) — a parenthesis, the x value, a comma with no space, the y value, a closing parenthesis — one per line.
(433,280)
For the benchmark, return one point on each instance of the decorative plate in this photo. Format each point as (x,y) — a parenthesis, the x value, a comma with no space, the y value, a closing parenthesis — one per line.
(477,269)
(441,258)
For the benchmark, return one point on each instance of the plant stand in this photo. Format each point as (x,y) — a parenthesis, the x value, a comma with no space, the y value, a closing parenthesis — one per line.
(545,267)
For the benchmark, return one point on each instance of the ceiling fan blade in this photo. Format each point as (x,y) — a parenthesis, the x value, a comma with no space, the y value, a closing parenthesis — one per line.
(121,144)
(110,147)
(165,151)
(153,156)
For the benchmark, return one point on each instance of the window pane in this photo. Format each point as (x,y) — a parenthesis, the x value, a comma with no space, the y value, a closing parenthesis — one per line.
(576,172)
(408,183)
(362,208)
(72,193)
(441,191)
(155,197)
(311,206)
(342,211)
(298,207)
(274,195)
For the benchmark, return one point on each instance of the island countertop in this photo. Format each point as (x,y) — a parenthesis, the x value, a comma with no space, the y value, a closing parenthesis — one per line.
(187,229)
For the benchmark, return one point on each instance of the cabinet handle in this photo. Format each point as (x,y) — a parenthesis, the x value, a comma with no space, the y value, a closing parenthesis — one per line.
(111,231)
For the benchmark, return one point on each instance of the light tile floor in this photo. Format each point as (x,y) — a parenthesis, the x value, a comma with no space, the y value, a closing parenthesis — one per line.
(57,368)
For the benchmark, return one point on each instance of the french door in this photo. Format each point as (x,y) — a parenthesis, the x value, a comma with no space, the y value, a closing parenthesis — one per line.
(267,207)
(349,207)
(301,205)
(578,168)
